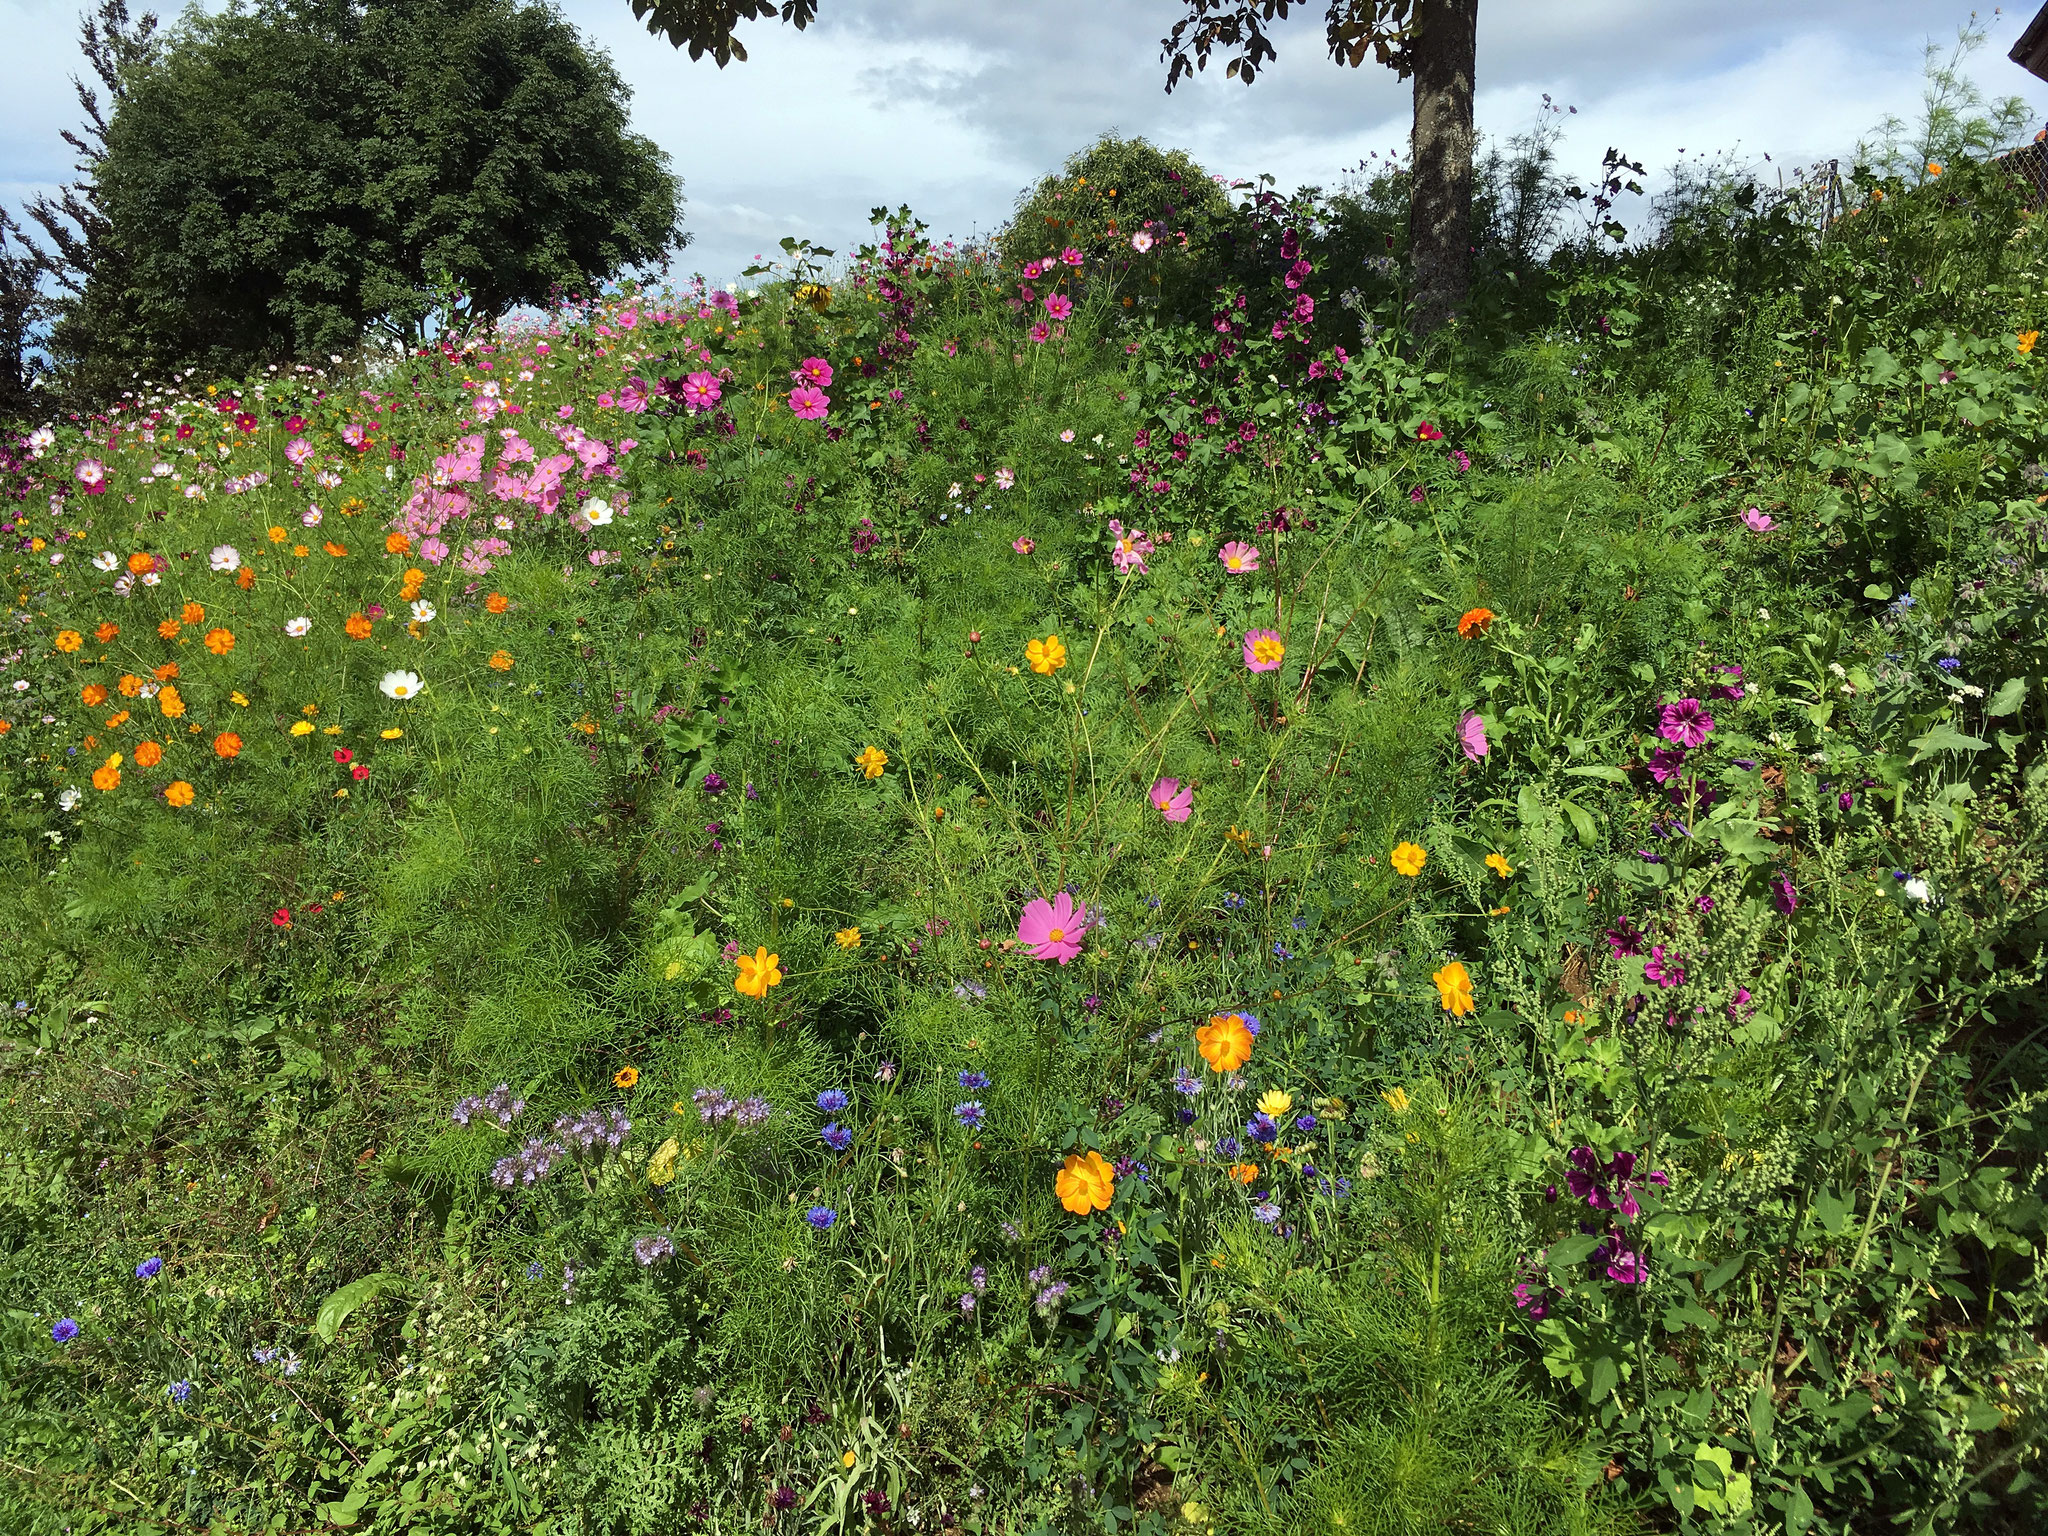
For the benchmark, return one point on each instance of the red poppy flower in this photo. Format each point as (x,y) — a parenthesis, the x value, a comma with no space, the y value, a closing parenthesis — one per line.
(344,755)
(281,918)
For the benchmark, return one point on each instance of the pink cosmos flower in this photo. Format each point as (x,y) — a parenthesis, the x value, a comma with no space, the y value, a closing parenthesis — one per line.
(1058,305)
(701,391)
(1053,930)
(1263,650)
(1472,737)
(1040,331)
(1023,545)
(807,404)
(352,434)
(1238,557)
(1757,520)
(298,451)
(816,371)
(1005,478)
(1071,256)
(1130,549)
(92,475)
(1171,800)
(1141,242)
(1685,723)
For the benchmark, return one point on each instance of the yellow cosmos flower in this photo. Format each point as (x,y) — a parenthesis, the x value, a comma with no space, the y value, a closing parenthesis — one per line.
(1499,865)
(1408,859)
(1275,1103)
(1396,1100)
(871,761)
(847,938)
(1085,1184)
(1046,656)
(2026,340)
(758,972)
(1454,986)
(302,727)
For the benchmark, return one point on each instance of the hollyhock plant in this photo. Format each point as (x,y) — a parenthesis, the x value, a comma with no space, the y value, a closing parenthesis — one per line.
(1608,1186)
(1053,930)
(1173,800)
(1685,723)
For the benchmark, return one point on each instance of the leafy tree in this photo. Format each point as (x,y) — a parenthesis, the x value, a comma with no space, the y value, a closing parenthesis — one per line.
(1105,193)
(23,305)
(280,179)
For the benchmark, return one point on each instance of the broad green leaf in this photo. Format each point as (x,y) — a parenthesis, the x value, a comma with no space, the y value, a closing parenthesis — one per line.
(335,1310)
(1944,737)
(2011,694)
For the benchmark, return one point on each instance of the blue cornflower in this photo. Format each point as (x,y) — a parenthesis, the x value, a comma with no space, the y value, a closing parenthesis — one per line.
(1228,1146)
(836,1136)
(821,1217)
(1949,663)
(973,1079)
(64,1330)
(1300,923)
(1251,1023)
(149,1268)
(533,1271)
(180,1390)
(1261,1128)
(1266,1211)
(1305,1123)
(1280,951)
(833,1100)
(969,1114)
(1232,900)
(1185,1082)
(1186,1114)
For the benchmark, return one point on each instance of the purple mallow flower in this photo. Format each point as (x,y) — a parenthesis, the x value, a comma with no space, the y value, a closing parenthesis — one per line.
(1685,723)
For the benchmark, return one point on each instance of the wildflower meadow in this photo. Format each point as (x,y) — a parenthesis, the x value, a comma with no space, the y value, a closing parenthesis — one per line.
(1061,885)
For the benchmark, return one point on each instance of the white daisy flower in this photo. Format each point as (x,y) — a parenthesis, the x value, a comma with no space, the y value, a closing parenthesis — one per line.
(401,685)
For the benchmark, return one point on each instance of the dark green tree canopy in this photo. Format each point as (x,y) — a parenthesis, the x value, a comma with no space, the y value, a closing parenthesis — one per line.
(283,177)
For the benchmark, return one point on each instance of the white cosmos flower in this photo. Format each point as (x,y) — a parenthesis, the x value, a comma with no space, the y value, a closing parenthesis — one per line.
(297,627)
(225,557)
(1916,888)
(68,800)
(310,517)
(423,612)
(597,512)
(150,578)
(105,560)
(195,493)
(401,685)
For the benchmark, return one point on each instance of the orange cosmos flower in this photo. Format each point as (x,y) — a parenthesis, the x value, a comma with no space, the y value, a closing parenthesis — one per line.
(1244,1173)
(219,641)
(115,722)
(130,685)
(178,792)
(168,629)
(1474,623)
(1085,1184)
(1454,987)
(68,640)
(172,703)
(148,755)
(192,613)
(2027,339)
(106,631)
(93,694)
(278,535)
(1225,1042)
(1046,656)
(334,549)
(501,661)
(245,578)
(108,775)
(397,544)
(356,627)
(757,973)
(166,672)
(497,602)
(140,562)
(625,1077)
(227,744)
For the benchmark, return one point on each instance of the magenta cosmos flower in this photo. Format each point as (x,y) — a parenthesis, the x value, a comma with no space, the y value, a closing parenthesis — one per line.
(1058,305)
(1238,556)
(1128,553)
(1472,737)
(1685,723)
(1757,520)
(1263,650)
(700,391)
(1053,930)
(807,404)
(1172,800)
(815,371)
(1040,331)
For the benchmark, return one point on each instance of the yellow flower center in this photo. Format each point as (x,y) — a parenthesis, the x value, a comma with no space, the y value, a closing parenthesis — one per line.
(1236,562)
(1056,936)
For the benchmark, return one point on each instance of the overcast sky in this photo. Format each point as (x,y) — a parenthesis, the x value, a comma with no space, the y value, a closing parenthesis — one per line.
(954,105)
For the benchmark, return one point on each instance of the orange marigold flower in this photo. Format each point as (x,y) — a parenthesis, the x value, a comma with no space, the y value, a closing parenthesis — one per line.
(245,578)
(130,685)
(1085,1184)
(106,631)
(219,641)
(227,744)
(148,755)
(334,549)
(168,629)
(192,613)
(356,627)
(108,775)
(497,602)
(1474,622)
(178,792)
(140,562)
(397,544)
(94,695)
(69,640)
(166,672)
(501,661)
(1225,1042)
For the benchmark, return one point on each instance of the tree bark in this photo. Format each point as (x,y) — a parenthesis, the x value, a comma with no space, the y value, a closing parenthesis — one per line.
(1440,201)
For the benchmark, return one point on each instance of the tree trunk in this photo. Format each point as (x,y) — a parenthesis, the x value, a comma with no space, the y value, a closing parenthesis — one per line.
(1440,202)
